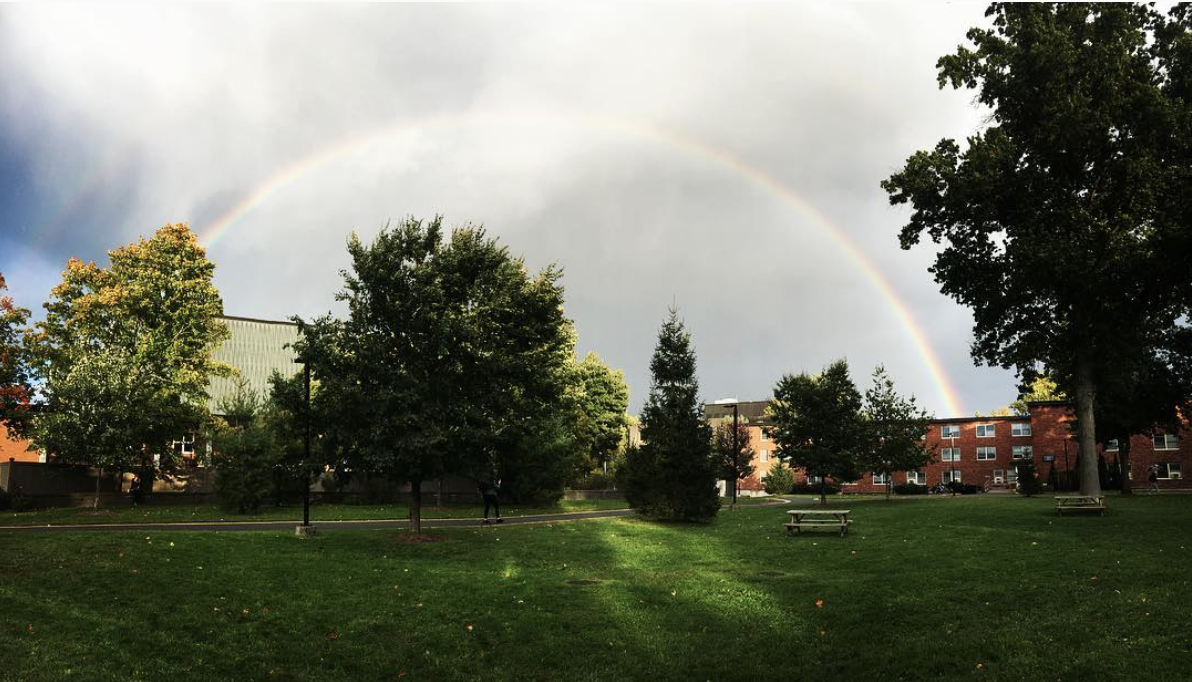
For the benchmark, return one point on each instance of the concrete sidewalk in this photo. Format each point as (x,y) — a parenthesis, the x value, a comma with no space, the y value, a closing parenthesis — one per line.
(238,526)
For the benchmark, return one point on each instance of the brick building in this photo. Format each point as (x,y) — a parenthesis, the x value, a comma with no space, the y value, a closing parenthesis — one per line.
(986,451)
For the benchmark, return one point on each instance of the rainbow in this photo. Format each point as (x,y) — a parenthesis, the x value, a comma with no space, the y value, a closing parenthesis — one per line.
(668,138)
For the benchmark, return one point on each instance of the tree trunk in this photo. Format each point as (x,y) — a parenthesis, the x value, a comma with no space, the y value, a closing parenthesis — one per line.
(1124,458)
(98,480)
(1090,480)
(416,507)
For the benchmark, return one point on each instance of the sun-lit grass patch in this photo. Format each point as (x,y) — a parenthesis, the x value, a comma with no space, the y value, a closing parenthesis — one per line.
(977,586)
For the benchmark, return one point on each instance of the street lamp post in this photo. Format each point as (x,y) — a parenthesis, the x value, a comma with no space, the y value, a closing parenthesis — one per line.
(306,530)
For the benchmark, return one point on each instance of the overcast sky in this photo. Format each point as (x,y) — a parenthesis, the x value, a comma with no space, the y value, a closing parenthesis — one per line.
(722,158)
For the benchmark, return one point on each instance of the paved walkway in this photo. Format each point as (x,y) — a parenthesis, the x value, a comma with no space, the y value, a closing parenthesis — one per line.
(383,524)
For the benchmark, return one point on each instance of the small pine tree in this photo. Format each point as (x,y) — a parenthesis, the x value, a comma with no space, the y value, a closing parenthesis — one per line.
(780,480)
(673,474)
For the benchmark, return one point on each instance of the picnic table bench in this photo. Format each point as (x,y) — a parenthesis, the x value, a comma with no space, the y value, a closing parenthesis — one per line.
(1079,503)
(817,518)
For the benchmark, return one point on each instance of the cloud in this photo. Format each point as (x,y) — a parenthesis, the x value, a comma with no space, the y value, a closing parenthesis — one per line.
(659,153)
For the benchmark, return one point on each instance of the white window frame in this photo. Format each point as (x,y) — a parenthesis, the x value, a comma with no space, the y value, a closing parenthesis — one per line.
(1112,445)
(1020,429)
(1170,441)
(949,454)
(881,479)
(991,428)
(916,477)
(814,480)
(1170,471)
(949,431)
(950,475)
(765,456)
(763,433)
(999,476)
(986,453)
(1028,452)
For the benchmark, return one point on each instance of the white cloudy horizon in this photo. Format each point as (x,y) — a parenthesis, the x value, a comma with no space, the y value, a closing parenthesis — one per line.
(695,154)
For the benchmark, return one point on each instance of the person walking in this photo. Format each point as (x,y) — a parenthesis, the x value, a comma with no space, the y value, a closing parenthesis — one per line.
(1153,480)
(490,490)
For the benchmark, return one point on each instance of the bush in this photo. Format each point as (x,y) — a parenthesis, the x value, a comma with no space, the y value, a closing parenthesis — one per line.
(910,489)
(246,460)
(780,480)
(16,501)
(1028,481)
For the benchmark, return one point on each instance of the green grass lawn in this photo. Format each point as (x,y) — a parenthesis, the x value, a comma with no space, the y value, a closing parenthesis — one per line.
(973,587)
(150,513)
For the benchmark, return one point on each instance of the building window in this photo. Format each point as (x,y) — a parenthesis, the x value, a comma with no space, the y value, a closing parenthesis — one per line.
(1012,476)
(881,479)
(1166,441)
(1020,429)
(1022,452)
(950,476)
(986,452)
(986,430)
(950,454)
(1169,471)
(999,476)
(765,456)
(184,447)
(949,432)
(1111,446)
(916,477)
(814,480)
(763,434)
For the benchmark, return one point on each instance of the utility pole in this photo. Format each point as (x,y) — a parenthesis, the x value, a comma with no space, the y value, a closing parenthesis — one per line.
(306,530)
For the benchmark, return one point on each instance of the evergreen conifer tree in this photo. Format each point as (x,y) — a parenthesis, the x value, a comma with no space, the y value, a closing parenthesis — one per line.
(673,474)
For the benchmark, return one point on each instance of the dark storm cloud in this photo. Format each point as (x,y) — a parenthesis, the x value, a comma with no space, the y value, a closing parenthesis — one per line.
(625,143)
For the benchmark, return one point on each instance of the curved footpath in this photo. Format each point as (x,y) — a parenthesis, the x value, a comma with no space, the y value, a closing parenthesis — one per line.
(237,526)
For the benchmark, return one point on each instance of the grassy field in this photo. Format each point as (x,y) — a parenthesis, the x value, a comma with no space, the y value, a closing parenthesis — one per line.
(967,588)
(331,512)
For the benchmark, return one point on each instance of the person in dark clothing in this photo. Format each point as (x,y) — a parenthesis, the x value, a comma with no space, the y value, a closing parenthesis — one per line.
(134,490)
(490,490)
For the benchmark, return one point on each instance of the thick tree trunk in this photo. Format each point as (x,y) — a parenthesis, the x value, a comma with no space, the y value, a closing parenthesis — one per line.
(1124,458)
(1090,479)
(416,507)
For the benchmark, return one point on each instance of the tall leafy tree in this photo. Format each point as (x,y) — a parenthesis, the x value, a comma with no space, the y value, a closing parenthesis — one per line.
(449,347)
(731,445)
(818,425)
(673,474)
(124,353)
(604,400)
(15,393)
(895,428)
(1065,219)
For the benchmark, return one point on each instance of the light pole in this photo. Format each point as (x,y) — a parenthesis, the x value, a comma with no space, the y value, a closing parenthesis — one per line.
(306,530)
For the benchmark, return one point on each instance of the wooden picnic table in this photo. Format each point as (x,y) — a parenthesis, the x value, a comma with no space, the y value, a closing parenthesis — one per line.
(818,518)
(1079,503)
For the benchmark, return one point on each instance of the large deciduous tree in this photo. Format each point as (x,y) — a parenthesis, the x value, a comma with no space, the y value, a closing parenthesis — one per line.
(1065,219)
(604,400)
(818,425)
(14,368)
(895,429)
(124,353)
(449,356)
(673,474)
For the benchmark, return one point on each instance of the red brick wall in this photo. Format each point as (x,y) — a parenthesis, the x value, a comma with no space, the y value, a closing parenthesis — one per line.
(15,449)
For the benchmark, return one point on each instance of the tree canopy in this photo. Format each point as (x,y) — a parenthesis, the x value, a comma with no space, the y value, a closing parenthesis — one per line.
(604,400)
(895,429)
(731,445)
(15,392)
(449,351)
(818,425)
(124,353)
(1064,221)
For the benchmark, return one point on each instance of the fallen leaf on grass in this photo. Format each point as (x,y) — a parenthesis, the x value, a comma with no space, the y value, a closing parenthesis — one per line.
(334,635)
(819,603)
